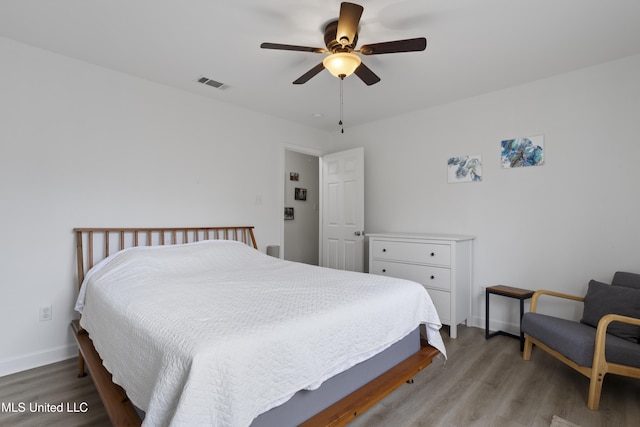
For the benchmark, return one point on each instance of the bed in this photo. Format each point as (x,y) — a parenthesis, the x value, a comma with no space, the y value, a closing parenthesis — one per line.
(195,326)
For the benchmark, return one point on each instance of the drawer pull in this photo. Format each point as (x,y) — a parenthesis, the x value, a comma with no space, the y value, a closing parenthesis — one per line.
(433,277)
(384,250)
(384,270)
(433,254)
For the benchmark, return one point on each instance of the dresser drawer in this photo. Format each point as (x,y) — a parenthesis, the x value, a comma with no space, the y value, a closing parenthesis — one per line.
(442,301)
(432,277)
(425,253)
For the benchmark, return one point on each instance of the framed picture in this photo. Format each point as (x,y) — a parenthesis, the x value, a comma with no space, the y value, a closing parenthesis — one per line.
(522,152)
(301,194)
(464,169)
(288,213)
(294,176)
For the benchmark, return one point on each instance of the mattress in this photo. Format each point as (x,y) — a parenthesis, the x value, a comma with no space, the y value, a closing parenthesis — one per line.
(216,332)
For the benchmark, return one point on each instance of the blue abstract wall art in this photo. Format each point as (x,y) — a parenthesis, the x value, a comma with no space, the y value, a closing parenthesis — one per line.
(465,168)
(521,152)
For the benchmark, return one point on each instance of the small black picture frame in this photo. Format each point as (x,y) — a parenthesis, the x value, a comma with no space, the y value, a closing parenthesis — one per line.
(288,213)
(301,194)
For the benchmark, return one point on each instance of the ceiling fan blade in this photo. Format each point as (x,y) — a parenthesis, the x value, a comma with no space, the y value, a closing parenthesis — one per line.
(366,75)
(348,22)
(307,76)
(408,45)
(278,46)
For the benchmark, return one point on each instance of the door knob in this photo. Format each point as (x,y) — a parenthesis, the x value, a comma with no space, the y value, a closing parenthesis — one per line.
(358,233)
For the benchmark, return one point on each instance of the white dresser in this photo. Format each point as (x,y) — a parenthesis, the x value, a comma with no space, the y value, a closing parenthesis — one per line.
(441,263)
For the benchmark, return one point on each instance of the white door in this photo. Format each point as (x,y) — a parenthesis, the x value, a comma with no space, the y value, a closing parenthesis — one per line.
(343,210)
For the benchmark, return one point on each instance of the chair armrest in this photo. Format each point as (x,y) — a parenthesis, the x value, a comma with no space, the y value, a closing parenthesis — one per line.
(604,322)
(537,294)
(601,335)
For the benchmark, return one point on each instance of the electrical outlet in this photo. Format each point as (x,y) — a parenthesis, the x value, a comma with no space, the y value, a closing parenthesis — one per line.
(46,313)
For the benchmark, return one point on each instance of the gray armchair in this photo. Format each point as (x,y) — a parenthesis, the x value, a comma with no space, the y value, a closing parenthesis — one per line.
(606,340)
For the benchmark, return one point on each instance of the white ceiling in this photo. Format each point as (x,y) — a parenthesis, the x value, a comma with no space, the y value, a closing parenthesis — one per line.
(474,47)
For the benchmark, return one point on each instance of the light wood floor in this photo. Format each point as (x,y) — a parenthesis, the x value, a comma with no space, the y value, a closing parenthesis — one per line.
(483,383)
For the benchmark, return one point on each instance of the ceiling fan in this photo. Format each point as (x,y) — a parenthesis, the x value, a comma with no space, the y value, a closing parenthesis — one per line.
(340,37)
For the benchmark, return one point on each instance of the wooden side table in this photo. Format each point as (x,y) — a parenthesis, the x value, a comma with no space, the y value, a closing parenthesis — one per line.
(509,292)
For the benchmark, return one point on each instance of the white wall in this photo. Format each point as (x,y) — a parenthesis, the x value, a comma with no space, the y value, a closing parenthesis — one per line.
(554,226)
(301,235)
(84,146)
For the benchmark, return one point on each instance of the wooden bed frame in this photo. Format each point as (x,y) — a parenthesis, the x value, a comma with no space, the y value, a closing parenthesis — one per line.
(95,244)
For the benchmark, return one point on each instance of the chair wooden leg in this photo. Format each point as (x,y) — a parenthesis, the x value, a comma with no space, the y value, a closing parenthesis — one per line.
(595,389)
(526,352)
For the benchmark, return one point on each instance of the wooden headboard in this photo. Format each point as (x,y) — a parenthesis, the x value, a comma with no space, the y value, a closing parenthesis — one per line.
(95,244)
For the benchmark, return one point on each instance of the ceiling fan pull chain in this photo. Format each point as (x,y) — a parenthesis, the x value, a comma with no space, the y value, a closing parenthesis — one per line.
(341,103)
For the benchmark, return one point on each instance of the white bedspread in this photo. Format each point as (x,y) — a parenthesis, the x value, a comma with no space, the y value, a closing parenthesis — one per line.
(215,333)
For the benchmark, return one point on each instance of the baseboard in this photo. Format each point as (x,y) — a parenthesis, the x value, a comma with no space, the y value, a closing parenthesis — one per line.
(495,325)
(37,359)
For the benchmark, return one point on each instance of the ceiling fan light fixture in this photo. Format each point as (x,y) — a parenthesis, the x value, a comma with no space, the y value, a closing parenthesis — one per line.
(341,64)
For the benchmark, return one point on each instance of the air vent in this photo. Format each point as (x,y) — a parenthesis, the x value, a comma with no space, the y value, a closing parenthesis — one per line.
(210,82)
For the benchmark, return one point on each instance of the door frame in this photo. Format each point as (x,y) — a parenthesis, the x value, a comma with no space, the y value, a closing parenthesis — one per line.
(281,196)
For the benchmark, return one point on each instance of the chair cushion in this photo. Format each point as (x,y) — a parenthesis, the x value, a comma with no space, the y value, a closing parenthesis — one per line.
(576,341)
(604,299)
(629,280)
